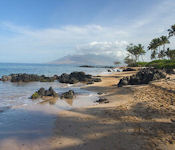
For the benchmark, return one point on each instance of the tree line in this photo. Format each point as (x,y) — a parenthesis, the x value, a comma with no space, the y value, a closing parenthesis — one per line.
(157,46)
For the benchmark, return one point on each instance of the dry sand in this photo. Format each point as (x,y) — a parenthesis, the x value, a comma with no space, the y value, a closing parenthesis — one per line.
(136,118)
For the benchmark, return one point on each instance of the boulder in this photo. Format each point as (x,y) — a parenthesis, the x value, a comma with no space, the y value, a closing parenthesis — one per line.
(144,76)
(76,77)
(129,69)
(96,79)
(28,78)
(102,100)
(68,95)
(42,92)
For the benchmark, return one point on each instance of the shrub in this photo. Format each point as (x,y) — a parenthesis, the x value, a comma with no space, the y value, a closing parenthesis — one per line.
(162,64)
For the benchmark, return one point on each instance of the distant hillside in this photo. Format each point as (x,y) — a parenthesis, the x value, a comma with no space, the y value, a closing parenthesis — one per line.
(85,60)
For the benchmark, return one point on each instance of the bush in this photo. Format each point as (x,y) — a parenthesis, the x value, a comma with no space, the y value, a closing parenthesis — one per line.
(138,64)
(162,64)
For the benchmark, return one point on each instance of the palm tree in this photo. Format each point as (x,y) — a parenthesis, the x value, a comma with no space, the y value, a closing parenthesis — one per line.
(171,31)
(153,54)
(135,51)
(162,54)
(153,46)
(164,40)
(141,51)
(170,54)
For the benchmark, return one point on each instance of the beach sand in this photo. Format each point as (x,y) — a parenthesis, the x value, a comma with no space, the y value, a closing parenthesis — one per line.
(136,118)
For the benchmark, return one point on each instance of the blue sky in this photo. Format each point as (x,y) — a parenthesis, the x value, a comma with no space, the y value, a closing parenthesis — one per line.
(43,30)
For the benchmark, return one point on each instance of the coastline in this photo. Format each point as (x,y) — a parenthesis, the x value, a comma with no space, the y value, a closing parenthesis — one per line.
(132,120)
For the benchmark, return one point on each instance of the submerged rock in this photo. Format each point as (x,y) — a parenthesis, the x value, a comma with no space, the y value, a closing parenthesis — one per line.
(76,77)
(42,92)
(68,95)
(144,76)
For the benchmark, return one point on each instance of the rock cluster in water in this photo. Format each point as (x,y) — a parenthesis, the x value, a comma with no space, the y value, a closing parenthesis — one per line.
(76,77)
(42,92)
(71,78)
(68,95)
(144,76)
(28,78)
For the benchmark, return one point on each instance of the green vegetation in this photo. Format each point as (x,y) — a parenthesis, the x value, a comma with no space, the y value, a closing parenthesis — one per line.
(164,58)
(162,64)
(35,95)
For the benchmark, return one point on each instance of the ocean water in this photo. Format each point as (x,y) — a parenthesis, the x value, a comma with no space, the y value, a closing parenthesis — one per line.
(17,94)
(25,120)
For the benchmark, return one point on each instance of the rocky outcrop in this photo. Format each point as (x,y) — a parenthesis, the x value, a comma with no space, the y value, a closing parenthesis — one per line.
(129,69)
(169,71)
(42,92)
(68,95)
(28,78)
(144,76)
(76,77)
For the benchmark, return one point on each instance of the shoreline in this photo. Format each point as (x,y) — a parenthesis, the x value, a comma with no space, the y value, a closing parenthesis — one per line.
(131,120)
(123,123)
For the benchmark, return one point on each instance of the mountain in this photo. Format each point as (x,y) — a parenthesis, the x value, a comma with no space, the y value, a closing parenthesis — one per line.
(88,59)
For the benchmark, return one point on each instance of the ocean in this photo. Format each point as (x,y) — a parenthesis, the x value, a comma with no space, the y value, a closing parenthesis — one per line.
(17,94)
(23,118)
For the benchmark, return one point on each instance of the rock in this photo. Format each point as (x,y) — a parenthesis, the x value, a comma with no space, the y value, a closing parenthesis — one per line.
(97,80)
(144,76)
(35,96)
(6,78)
(169,71)
(76,77)
(87,66)
(129,69)
(102,100)
(28,78)
(123,81)
(99,93)
(68,95)
(42,92)
(90,82)
(64,78)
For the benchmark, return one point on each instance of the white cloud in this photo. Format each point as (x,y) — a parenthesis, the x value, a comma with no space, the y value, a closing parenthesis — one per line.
(116,48)
(51,43)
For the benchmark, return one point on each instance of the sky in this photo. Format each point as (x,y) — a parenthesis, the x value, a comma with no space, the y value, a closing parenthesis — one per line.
(39,31)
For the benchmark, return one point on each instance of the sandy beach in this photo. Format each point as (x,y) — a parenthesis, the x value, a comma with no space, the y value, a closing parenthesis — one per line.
(136,117)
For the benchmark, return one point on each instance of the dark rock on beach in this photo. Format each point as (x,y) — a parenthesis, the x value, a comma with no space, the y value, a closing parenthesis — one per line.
(28,78)
(42,92)
(68,95)
(129,69)
(76,77)
(102,100)
(169,71)
(144,76)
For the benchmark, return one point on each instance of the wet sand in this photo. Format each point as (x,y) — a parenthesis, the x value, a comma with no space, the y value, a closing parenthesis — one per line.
(136,117)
